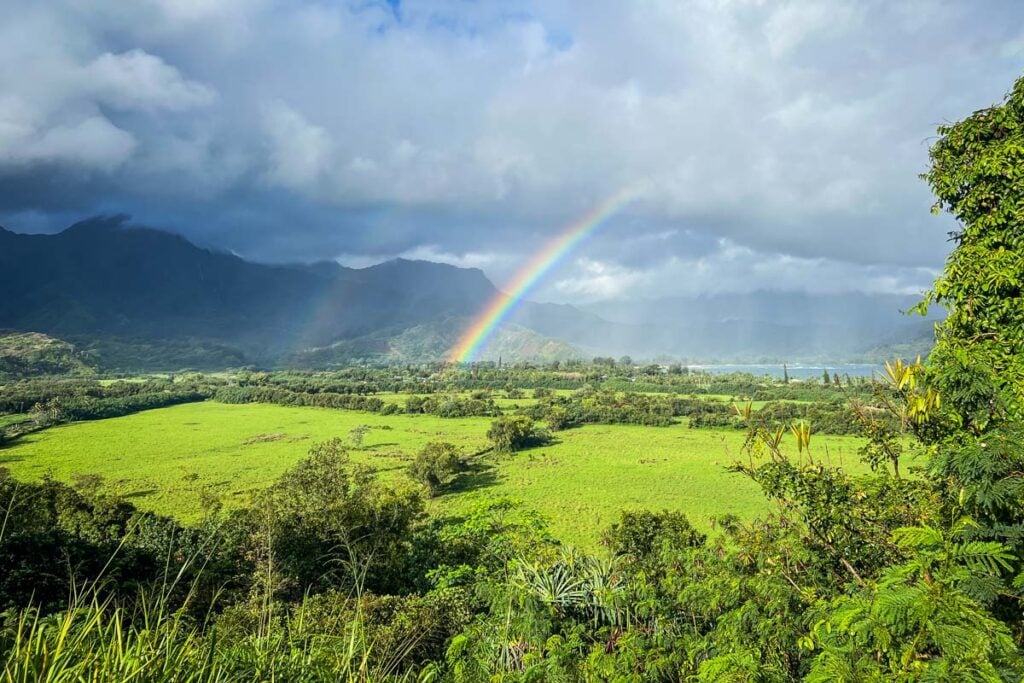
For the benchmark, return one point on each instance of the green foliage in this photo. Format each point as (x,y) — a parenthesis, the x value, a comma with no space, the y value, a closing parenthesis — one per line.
(922,619)
(357,434)
(606,407)
(30,354)
(645,536)
(330,523)
(974,427)
(977,176)
(53,538)
(515,433)
(96,640)
(435,465)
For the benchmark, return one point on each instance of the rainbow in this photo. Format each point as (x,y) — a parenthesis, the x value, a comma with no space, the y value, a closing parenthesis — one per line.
(476,336)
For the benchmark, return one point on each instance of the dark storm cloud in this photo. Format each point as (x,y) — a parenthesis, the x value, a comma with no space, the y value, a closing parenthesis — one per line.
(772,143)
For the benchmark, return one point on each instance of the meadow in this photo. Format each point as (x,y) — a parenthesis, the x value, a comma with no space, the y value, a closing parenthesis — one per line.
(168,460)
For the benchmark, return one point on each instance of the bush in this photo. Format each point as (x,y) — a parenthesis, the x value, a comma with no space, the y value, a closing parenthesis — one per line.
(515,433)
(435,465)
(643,535)
(558,418)
(330,523)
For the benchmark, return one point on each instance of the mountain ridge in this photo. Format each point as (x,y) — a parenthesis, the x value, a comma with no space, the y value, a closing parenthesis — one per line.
(104,278)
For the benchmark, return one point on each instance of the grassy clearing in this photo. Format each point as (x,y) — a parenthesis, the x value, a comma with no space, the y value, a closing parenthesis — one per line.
(165,459)
(583,482)
(12,419)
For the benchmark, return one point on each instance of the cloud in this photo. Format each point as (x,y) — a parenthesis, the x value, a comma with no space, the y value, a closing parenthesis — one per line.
(92,143)
(732,268)
(298,150)
(138,80)
(793,131)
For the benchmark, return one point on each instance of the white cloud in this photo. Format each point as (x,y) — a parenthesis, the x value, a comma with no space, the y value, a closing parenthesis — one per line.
(596,280)
(493,262)
(93,143)
(138,80)
(64,101)
(731,268)
(788,128)
(299,151)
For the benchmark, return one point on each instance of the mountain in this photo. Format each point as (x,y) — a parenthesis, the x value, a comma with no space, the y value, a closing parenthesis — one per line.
(101,277)
(141,298)
(431,341)
(114,286)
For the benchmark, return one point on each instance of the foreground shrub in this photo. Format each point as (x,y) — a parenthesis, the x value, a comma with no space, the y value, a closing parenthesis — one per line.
(329,523)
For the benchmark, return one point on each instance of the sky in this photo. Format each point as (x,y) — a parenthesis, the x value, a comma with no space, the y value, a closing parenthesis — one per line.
(771,144)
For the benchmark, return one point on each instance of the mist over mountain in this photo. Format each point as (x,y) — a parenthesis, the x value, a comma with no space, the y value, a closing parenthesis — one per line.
(106,282)
(773,325)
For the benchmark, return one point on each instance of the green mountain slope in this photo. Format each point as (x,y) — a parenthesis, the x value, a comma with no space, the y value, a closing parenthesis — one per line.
(26,354)
(431,341)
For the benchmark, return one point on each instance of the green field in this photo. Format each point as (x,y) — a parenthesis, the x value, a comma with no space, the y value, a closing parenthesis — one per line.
(163,460)
(6,420)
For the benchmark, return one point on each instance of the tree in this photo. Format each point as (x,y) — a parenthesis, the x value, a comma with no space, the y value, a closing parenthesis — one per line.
(977,366)
(921,620)
(514,433)
(557,418)
(977,175)
(357,435)
(435,465)
(330,523)
(49,412)
(642,535)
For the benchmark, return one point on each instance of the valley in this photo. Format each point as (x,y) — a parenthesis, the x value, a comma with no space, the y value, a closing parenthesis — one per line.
(166,460)
(520,342)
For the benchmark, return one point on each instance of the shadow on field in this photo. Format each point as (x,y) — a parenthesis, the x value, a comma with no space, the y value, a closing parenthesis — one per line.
(140,493)
(4,459)
(477,475)
(14,440)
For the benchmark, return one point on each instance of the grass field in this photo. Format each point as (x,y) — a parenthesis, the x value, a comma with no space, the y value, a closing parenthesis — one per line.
(164,459)
(11,419)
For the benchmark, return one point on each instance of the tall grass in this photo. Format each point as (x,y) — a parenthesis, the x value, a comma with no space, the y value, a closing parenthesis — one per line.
(95,640)
(100,640)
(154,637)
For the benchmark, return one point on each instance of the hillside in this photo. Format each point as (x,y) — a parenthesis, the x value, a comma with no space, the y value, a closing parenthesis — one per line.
(430,341)
(143,298)
(28,354)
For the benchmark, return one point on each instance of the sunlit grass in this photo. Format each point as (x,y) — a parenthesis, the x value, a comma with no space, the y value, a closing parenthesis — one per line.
(166,460)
